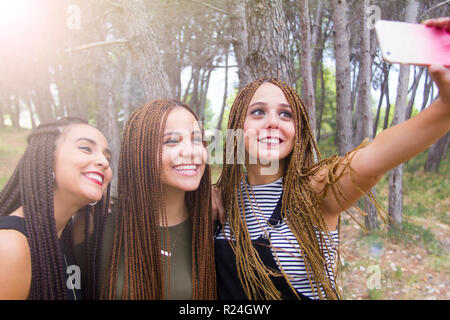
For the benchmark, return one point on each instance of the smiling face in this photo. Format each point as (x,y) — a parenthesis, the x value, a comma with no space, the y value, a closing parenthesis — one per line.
(269,127)
(81,165)
(183,153)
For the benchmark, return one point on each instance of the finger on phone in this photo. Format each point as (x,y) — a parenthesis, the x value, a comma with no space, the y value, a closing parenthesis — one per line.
(439,73)
(443,23)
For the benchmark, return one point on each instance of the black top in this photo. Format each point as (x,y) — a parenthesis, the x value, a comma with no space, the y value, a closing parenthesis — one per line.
(13,222)
(18,224)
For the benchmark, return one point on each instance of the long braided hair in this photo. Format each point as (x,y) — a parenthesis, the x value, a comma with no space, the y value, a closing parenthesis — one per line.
(299,202)
(141,204)
(31,186)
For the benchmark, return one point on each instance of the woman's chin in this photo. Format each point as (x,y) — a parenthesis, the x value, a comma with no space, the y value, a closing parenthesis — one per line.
(189,188)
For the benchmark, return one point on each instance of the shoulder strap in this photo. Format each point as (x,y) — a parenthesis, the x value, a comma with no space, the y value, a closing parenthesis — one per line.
(13,222)
(275,218)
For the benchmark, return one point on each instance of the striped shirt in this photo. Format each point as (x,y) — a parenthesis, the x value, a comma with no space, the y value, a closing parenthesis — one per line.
(285,248)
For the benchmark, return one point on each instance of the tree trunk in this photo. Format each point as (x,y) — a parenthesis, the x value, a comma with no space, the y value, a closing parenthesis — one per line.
(205,87)
(126,87)
(66,83)
(188,87)
(322,99)
(343,90)
(395,202)
(15,112)
(225,93)
(145,49)
(239,41)
(305,64)
(107,115)
(388,109)
(194,101)
(268,41)
(364,102)
(2,108)
(426,91)
(437,152)
(43,101)
(415,85)
(382,94)
(317,39)
(30,110)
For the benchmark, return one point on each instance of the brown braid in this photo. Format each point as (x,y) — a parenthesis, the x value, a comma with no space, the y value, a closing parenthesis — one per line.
(31,186)
(141,204)
(299,202)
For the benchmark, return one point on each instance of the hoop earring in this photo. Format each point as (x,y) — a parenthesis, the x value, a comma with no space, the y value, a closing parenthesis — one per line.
(93,203)
(53,176)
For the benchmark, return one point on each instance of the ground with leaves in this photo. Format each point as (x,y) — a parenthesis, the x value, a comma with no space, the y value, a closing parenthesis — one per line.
(409,264)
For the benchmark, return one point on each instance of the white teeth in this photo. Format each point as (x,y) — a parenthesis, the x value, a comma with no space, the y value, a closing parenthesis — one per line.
(270,140)
(95,177)
(186,167)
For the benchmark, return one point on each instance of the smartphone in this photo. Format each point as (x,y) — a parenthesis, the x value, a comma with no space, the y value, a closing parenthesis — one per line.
(416,44)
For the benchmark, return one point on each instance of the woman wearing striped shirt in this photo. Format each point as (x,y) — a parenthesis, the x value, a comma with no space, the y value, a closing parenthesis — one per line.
(282,202)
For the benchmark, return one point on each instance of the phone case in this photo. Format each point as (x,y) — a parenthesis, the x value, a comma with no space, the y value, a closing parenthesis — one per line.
(417,44)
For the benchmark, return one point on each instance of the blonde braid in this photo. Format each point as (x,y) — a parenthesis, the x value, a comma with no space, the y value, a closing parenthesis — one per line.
(300,203)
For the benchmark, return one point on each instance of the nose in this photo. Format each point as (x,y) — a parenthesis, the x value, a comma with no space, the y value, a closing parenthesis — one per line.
(102,162)
(272,120)
(190,151)
(187,149)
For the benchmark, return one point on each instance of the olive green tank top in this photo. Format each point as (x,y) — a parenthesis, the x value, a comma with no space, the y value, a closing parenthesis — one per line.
(177,257)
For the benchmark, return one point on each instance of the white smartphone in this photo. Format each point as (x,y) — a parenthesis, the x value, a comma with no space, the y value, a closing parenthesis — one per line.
(416,44)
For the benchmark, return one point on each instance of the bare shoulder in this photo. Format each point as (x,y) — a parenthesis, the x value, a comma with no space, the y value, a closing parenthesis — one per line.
(15,265)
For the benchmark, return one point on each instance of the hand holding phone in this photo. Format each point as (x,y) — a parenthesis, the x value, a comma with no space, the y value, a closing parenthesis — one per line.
(418,44)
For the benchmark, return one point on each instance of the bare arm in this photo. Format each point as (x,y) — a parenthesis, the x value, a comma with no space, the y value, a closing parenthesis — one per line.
(389,149)
(15,265)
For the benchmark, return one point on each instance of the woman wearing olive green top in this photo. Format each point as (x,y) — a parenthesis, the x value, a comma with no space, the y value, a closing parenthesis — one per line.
(160,230)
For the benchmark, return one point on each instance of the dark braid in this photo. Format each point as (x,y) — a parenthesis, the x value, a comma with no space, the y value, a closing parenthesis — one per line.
(94,245)
(31,186)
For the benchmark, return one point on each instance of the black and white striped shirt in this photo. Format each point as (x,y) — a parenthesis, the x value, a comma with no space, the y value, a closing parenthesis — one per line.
(285,247)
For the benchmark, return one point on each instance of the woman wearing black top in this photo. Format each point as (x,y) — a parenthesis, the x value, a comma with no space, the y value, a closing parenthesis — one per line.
(64,169)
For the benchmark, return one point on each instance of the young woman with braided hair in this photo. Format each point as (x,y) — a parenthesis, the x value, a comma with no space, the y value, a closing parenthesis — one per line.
(64,172)
(159,240)
(279,239)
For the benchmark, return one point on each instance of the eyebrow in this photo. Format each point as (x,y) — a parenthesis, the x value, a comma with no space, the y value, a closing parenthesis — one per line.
(178,133)
(107,150)
(260,103)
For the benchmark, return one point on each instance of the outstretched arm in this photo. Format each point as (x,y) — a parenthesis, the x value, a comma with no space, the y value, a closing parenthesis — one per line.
(390,148)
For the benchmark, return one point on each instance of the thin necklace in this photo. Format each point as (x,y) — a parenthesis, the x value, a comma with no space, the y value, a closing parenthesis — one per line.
(172,245)
(271,227)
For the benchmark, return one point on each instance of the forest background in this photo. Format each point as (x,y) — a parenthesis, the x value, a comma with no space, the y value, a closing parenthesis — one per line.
(102,59)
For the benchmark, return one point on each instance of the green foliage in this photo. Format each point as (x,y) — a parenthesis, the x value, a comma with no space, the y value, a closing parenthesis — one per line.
(375,294)
(210,119)
(12,146)
(427,189)
(413,234)
(383,114)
